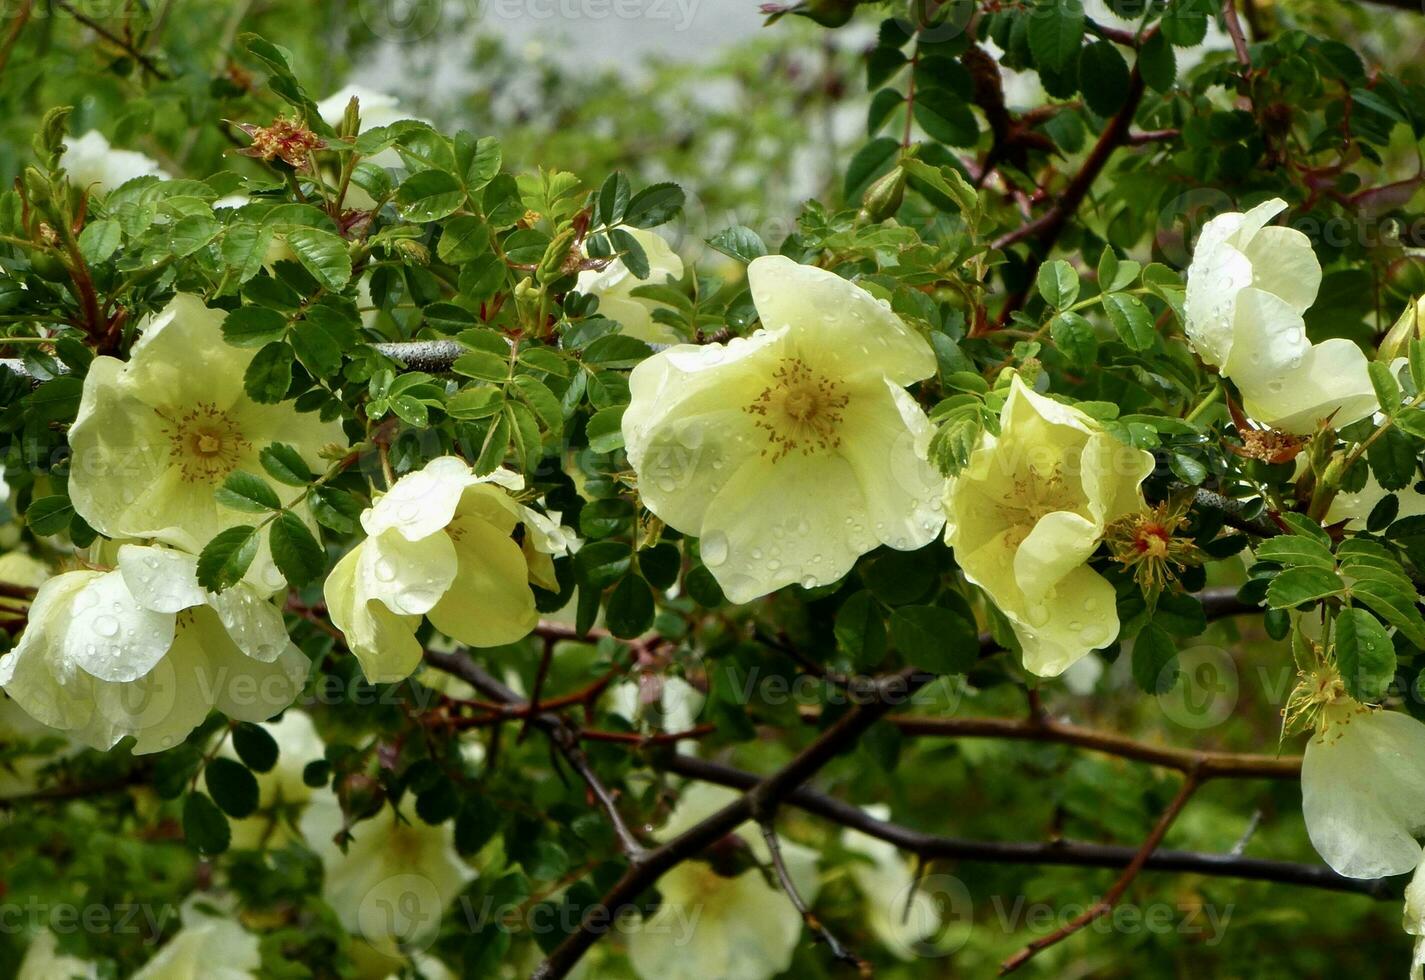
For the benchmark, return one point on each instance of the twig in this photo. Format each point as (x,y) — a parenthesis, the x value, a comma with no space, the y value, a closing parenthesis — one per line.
(838,949)
(1046,229)
(1234,31)
(1062,853)
(21,18)
(1208,765)
(538,689)
(1190,784)
(143,60)
(765,793)
(563,737)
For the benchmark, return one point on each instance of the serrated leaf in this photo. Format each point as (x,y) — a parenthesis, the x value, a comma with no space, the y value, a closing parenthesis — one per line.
(860,630)
(1305,583)
(1058,284)
(1294,549)
(1155,660)
(255,746)
(247,492)
(49,515)
(739,242)
(1056,30)
(295,550)
(285,464)
(323,254)
(1364,655)
(656,204)
(269,374)
(225,559)
(204,826)
(1131,319)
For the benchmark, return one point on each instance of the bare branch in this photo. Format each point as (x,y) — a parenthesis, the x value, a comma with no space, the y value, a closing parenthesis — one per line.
(784,877)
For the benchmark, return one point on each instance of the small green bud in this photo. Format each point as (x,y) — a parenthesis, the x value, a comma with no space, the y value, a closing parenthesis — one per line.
(551,265)
(1410,326)
(883,198)
(49,140)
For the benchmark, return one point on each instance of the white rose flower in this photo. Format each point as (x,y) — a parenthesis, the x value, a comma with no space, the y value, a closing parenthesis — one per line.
(1363,790)
(1027,513)
(614,285)
(156,436)
(1355,508)
(792,452)
(708,925)
(439,545)
(396,879)
(1414,919)
(95,166)
(208,947)
(44,961)
(281,791)
(143,650)
(887,881)
(1248,286)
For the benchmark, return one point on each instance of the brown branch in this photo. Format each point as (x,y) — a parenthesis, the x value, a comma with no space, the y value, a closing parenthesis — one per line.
(21,18)
(563,736)
(760,797)
(1061,853)
(1101,907)
(838,949)
(1045,230)
(1208,765)
(143,60)
(1234,31)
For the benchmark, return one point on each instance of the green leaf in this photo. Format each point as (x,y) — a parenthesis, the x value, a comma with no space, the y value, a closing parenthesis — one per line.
(1387,391)
(463,238)
(269,375)
(244,249)
(429,195)
(322,254)
(946,117)
(1131,319)
(225,559)
(335,509)
(1155,660)
(317,349)
(1103,77)
(1074,337)
(602,563)
(247,492)
(935,638)
(296,551)
(253,326)
(860,630)
(629,612)
(285,465)
(99,240)
(255,746)
(49,515)
(1364,654)
(1304,583)
(654,205)
(232,786)
(1158,63)
(1290,550)
(1392,459)
(204,826)
(1056,30)
(739,242)
(605,429)
(1058,284)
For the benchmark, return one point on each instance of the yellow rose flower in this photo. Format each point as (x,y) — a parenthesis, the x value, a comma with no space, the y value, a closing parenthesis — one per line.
(711,925)
(1027,512)
(1248,286)
(615,283)
(396,878)
(439,545)
(792,452)
(156,436)
(143,650)
(210,947)
(1363,789)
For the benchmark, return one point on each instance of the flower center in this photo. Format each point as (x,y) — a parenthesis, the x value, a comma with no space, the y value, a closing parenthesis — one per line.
(1032,495)
(800,411)
(205,443)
